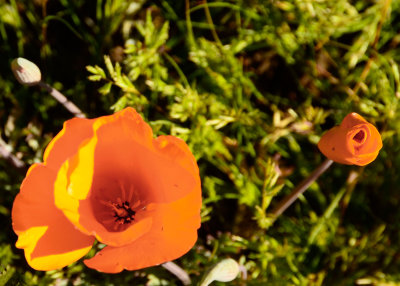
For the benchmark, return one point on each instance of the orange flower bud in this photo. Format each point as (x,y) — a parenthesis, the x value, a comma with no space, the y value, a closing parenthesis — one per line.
(353,142)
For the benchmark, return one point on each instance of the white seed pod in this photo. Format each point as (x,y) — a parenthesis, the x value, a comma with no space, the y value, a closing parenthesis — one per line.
(26,72)
(224,271)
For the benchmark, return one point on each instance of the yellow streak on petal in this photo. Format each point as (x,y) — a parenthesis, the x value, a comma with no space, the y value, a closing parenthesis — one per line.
(73,182)
(28,240)
(81,177)
(62,200)
(57,261)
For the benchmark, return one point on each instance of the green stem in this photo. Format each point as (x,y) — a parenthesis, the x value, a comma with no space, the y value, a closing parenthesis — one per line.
(211,23)
(178,69)
(189,24)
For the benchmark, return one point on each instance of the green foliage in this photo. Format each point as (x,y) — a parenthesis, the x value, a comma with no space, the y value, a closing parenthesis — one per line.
(250,86)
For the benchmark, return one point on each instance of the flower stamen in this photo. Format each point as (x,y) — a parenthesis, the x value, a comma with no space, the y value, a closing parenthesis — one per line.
(123,213)
(118,213)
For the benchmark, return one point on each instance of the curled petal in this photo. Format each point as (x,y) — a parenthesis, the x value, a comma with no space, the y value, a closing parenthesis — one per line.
(352,119)
(49,240)
(355,141)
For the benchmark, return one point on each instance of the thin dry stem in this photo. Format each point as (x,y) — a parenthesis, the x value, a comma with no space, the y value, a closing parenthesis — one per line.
(178,272)
(69,105)
(301,188)
(15,161)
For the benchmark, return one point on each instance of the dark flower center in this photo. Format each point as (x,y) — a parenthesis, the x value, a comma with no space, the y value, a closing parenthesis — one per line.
(123,213)
(359,137)
(117,207)
(117,215)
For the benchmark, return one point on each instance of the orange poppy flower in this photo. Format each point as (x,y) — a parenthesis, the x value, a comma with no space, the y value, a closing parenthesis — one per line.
(109,179)
(353,142)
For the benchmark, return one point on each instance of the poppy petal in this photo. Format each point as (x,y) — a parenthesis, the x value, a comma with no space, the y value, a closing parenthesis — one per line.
(73,182)
(49,240)
(352,119)
(177,150)
(172,236)
(333,145)
(67,141)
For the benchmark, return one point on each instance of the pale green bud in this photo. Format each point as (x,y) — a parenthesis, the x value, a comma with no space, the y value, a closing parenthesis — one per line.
(26,72)
(224,271)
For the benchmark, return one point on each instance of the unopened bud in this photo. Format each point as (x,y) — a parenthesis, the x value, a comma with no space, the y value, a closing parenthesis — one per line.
(224,271)
(26,72)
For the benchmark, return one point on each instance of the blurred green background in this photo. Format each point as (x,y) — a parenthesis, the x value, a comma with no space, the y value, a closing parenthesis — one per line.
(250,86)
